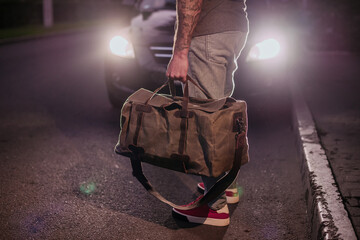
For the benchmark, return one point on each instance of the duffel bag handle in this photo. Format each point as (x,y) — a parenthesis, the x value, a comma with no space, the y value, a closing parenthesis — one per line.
(188,78)
(170,82)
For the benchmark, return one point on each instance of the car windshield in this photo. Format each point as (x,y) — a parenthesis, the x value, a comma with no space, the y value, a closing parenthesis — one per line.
(153,5)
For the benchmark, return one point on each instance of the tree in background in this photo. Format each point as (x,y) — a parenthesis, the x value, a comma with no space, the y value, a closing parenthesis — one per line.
(17,13)
(48,18)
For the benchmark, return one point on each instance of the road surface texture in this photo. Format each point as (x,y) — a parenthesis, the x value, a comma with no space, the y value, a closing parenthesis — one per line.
(330,85)
(61,180)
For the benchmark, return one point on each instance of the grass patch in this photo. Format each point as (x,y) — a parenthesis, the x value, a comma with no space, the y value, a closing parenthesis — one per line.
(39,30)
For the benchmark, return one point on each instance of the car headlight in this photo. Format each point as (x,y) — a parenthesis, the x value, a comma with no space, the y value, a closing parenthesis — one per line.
(122,47)
(267,49)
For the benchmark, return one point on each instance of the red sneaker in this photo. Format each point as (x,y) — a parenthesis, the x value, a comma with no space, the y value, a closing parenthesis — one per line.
(232,194)
(204,215)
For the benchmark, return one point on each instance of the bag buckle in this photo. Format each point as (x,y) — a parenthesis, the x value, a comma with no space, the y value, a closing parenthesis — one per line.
(239,124)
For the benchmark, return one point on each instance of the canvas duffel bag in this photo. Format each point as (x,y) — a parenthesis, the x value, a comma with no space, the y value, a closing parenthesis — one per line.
(198,136)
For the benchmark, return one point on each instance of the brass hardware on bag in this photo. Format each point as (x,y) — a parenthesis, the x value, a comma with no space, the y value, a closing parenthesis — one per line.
(240,129)
(238,123)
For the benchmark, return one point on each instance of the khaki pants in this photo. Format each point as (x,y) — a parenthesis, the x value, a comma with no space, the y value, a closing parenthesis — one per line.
(212,63)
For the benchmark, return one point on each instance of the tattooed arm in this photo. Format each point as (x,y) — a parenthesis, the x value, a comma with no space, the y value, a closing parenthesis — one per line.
(188,12)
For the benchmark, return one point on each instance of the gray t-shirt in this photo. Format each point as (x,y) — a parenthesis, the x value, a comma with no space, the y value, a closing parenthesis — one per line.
(221,16)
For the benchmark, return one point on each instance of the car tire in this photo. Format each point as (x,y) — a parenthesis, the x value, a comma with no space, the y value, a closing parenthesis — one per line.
(116,96)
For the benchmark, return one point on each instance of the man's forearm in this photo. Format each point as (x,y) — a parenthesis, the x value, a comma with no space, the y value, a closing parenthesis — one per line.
(188,12)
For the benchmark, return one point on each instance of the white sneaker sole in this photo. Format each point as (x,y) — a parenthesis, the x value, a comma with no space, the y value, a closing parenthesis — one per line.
(233,199)
(207,221)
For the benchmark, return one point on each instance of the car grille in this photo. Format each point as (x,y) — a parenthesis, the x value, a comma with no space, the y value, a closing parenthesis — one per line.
(162,54)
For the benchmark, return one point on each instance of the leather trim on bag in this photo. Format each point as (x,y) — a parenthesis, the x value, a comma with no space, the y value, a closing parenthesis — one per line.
(182,141)
(184,114)
(122,121)
(136,149)
(182,158)
(143,108)
(138,125)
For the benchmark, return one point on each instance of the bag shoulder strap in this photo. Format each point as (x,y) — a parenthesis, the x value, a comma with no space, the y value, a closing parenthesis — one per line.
(219,187)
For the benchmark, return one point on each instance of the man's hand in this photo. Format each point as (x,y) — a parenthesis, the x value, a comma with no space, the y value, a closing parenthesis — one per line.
(178,67)
(188,12)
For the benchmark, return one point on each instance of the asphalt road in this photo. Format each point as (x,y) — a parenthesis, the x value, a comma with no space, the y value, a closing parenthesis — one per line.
(61,180)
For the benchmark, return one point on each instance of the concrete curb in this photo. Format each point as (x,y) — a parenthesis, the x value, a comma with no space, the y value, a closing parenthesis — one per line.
(328,216)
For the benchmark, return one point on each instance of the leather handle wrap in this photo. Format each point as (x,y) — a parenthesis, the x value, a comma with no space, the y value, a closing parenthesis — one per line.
(170,83)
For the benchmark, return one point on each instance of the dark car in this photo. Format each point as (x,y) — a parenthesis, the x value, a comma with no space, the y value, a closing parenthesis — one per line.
(138,55)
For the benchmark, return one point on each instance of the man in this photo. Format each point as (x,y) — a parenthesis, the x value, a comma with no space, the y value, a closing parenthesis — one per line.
(209,37)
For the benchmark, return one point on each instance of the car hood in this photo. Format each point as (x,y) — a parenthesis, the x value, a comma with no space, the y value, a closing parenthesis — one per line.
(154,27)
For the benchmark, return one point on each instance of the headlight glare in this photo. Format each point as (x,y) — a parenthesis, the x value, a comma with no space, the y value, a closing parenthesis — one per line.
(267,49)
(120,46)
